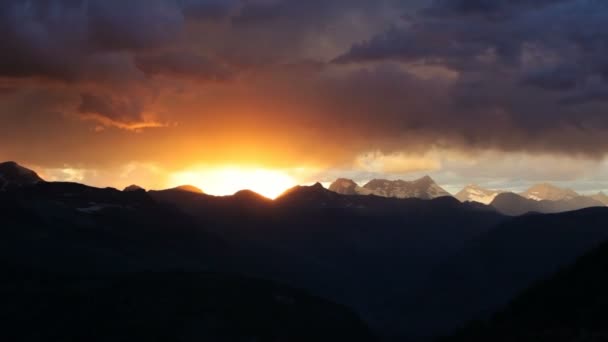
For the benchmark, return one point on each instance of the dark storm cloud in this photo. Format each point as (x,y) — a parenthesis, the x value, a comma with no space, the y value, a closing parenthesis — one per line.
(490,8)
(118,109)
(208,9)
(133,24)
(534,74)
(83,42)
(509,75)
(184,65)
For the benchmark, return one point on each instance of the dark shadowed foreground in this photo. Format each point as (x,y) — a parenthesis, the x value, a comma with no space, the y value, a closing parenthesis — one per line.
(167,307)
(569,306)
(84,263)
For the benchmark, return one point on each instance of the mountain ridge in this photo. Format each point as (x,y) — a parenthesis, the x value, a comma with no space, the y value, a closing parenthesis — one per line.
(476,193)
(548,191)
(513,204)
(13,174)
(423,188)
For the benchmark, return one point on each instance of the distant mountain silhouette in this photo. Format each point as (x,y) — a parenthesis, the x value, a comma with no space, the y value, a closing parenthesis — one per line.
(189,188)
(64,226)
(513,204)
(571,305)
(13,174)
(475,193)
(423,188)
(133,188)
(314,195)
(548,192)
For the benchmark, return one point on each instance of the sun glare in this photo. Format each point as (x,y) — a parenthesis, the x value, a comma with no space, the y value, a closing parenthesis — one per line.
(227,181)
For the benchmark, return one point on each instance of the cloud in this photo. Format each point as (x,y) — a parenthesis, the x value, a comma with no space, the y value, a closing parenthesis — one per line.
(527,78)
(396,163)
(318,83)
(88,44)
(117,111)
(492,9)
(183,65)
(132,25)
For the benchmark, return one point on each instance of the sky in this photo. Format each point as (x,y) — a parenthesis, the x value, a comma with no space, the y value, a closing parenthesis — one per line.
(229,93)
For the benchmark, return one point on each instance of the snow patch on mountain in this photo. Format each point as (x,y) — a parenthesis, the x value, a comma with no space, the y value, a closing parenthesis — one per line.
(549,192)
(424,188)
(475,193)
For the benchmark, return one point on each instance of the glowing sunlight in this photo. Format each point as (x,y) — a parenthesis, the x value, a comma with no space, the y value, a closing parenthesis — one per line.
(228,180)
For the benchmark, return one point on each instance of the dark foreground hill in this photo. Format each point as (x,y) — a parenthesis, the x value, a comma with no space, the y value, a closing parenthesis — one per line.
(493,269)
(179,307)
(72,227)
(569,306)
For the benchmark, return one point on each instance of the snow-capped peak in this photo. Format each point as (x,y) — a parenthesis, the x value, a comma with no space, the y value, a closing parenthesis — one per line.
(475,193)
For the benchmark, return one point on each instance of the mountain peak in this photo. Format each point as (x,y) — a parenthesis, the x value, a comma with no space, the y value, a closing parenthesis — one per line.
(133,187)
(249,194)
(189,188)
(344,186)
(424,188)
(548,191)
(13,174)
(318,186)
(316,190)
(476,193)
(426,178)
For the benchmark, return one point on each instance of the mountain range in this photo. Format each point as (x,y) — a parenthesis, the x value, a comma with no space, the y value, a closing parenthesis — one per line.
(514,204)
(541,198)
(424,188)
(97,264)
(548,192)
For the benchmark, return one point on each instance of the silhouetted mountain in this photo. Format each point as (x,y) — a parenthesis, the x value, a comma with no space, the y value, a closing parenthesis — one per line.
(66,242)
(494,268)
(314,195)
(133,188)
(601,197)
(424,188)
(13,174)
(475,193)
(69,226)
(513,204)
(347,187)
(549,192)
(202,205)
(571,305)
(189,188)
(362,251)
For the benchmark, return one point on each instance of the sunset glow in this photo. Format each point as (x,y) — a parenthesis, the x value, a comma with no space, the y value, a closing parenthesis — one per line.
(228,180)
